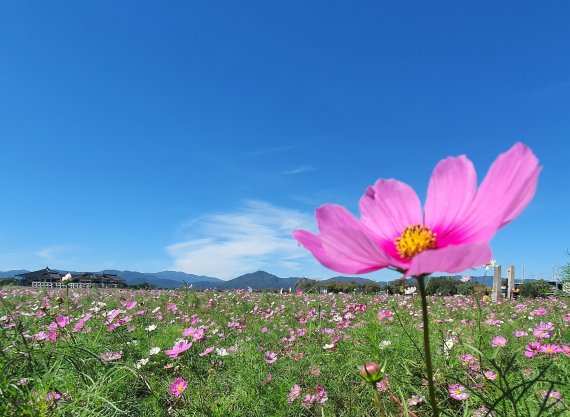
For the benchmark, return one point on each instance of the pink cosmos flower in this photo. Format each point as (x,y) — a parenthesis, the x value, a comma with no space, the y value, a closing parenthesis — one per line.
(490,375)
(450,234)
(322,396)
(309,399)
(482,412)
(177,387)
(207,351)
(129,305)
(294,393)
(557,396)
(270,357)
(544,330)
(112,315)
(539,312)
(62,321)
(499,341)
(196,333)
(551,349)
(532,349)
(384,384)
(111,356)
(40,336)
(458,392)
(385,315)
(178,348)
(53,396)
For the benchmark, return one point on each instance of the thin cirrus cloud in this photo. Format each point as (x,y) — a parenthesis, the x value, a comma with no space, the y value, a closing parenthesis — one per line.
(299,170)
(256,236)
(268,151)
(52,253)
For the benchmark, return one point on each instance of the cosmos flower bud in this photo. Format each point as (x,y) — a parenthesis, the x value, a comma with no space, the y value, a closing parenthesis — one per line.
(66,279)
(371,372)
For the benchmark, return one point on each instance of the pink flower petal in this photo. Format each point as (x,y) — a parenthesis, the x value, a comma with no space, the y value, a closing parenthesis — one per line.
(451,259)
(333,215)
(388,207)
(451,190)
(507,189)
(343,249)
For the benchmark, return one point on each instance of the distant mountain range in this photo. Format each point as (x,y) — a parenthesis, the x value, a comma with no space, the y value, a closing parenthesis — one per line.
(174,279)
(255,280)
(164,279)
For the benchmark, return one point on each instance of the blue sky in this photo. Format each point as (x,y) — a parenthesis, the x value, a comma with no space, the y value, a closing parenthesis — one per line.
(196,135)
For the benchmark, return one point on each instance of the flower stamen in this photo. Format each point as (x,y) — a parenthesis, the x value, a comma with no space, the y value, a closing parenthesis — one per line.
(414,240)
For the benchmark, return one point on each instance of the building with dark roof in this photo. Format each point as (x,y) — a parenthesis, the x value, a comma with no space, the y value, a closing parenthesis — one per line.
(50,278)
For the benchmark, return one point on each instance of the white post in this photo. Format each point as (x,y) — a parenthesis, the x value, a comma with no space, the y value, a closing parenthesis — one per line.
(496,291)
(510,281)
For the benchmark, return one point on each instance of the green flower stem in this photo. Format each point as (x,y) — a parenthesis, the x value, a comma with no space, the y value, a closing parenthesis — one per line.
(427,349)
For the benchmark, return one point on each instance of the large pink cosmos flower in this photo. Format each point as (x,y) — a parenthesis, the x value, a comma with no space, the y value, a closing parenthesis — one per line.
(450,234)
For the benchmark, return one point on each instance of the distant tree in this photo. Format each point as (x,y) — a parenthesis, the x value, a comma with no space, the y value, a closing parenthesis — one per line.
(534,289)
(306,284)
(564,271)
(442,286)
(371,288)
(468,288)
(340,286)
(4,282)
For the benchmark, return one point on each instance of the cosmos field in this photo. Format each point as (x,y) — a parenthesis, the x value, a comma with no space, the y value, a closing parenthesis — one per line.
(239,353)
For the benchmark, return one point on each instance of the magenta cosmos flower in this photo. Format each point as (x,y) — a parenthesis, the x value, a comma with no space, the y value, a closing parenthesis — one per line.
(450,234)
(178,348)
(178,386)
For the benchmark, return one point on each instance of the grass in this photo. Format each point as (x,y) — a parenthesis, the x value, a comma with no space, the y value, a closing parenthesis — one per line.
(319,340)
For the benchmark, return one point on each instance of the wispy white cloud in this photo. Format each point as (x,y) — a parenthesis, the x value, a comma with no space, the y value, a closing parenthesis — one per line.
(268,151)
(276,149)
(52,253)
(299,170)
(256,236)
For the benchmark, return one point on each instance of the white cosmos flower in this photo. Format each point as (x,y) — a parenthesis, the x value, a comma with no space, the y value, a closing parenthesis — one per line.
(384,344)
(154,350)
(151,327)
(447,345)
(221,352)
(140,363)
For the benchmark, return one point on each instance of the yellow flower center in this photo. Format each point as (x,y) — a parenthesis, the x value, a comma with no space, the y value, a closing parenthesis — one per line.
(415,239)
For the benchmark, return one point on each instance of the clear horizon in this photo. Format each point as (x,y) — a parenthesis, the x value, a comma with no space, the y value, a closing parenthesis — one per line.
(151,137)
